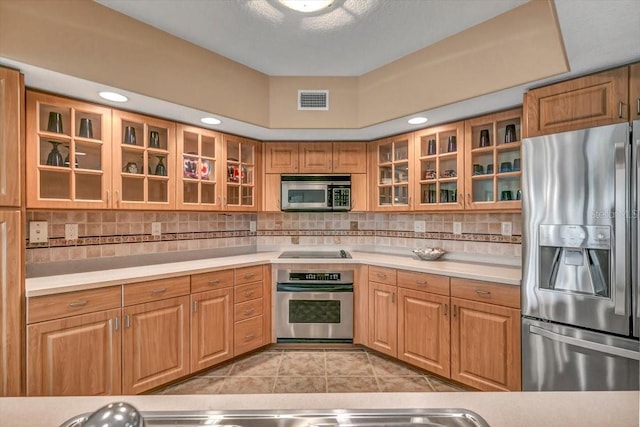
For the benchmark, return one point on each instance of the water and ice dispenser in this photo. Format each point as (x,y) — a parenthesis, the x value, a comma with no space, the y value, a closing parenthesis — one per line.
(576,259)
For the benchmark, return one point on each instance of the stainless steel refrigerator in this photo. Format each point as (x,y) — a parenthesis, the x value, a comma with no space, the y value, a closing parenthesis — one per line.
(580,312)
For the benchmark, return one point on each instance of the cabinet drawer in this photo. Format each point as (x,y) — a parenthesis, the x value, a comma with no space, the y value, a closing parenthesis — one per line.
(248,274)
(423,282)
(247,309)
(248,335)
(51,307)
(213,280)
(493,293)
(247,292)
(382,275)
(156,290)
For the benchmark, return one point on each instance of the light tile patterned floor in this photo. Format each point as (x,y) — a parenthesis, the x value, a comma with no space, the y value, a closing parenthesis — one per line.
(311,371)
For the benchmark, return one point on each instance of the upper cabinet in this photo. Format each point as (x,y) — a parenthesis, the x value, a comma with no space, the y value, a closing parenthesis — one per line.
(439,168)
(492,162)
(11,121)
(316,157)
(241,160)
(634,91)
(199,159)
(58,130)
(392,160)
(594,100)
(144,153)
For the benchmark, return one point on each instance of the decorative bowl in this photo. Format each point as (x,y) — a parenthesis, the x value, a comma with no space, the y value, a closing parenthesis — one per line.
(429,254)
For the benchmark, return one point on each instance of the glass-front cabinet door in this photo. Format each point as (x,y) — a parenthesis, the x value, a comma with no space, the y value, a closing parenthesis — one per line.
(198,168)
(144,162)
(439,168)
(240,175)
(392,165)
(493,163)
(68,153)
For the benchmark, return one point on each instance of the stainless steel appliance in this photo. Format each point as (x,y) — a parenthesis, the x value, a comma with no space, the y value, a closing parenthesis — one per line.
(316,193)
(580,268)
(314,306)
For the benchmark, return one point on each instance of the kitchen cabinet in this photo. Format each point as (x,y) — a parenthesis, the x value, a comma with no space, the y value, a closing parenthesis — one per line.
(485,335)
(144,162)
(242,167)
(198,167)
(392,160)
(493,161)
(634,91)
(74,343)
(383,310)
(249,309)
(439,168)
(594,100)
(156,333)
(423,321)
(60,129)
(316,157)
(11,137)
(211,318)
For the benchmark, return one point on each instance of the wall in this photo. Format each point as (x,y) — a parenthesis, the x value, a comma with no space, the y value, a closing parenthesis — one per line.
(110,234)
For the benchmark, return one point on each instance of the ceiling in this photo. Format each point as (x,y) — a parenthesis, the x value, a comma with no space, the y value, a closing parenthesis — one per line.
(353,37)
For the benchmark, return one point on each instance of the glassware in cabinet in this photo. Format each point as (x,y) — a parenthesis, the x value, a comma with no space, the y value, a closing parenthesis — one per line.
(198,162)
(68,153)
(393,167)
(241,164)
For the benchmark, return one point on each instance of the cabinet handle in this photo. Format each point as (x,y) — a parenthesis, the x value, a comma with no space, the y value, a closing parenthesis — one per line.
(620,109)
(158,290)
(195,306)
(248,293)
(249,275)
(214,282)
(484,294)
(382,275)
(393,297)
(249,311)
(107,196)
(249,337)
(421,282)
(329,165)
(225,200)
(446,310)
(127,321)
(75,304)
(410,201)
(455,310)
(468,198)
(279,204)
(117,196)
(116,323)
(638,105)
(460,196)
(219,200)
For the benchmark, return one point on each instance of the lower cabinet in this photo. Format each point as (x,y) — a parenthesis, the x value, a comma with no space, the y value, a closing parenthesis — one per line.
(77,355)
(383,320)
(155,344)
(249,302)
(211,328)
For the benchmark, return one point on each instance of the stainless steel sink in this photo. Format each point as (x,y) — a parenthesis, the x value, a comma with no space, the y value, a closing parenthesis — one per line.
(318,418)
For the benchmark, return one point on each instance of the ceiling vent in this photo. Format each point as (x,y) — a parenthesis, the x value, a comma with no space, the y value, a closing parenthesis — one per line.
(313,100)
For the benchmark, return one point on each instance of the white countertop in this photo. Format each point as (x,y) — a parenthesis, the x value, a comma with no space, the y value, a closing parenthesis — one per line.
(548,409)
(46,285)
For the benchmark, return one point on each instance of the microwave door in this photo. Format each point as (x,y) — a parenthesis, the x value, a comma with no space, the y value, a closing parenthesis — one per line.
(304,195)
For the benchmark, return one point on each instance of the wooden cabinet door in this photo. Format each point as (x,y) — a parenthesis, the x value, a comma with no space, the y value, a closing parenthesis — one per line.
(76,356)
(155,344)
(485,345)
(634,91)
(272,193)
(242,159)
(349,157)
(11,136)
(316,157)
(383,309)
(11,301)
(281,157)
(359,193)
(423,330)
(594,100)
(211,328)
(391,167)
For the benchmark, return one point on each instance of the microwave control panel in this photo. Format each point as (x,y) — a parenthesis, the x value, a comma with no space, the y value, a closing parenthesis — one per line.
(341,197)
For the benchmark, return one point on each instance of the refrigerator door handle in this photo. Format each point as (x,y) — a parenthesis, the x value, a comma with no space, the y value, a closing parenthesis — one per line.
(620,279)
(589,345)
(636,213)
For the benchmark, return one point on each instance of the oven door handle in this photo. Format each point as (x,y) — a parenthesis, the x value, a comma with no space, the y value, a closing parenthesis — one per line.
(286,287)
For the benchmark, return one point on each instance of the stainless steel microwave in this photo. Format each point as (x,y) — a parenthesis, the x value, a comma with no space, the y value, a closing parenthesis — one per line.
(315,193)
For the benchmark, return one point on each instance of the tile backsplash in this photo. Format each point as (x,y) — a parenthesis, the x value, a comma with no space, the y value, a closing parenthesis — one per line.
(105,234)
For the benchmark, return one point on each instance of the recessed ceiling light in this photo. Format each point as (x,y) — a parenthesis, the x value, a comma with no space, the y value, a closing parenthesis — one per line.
(112,96)
(210,121)
(307,6)
(418,120)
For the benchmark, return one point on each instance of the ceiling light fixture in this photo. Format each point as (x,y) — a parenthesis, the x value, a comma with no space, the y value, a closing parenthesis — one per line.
(210,121)
(307,6)
(112,96)
(418,120)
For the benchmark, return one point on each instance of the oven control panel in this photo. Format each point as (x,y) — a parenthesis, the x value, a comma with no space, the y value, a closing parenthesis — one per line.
(315,276)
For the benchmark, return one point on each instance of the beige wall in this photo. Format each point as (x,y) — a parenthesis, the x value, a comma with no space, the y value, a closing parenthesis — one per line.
(87,40)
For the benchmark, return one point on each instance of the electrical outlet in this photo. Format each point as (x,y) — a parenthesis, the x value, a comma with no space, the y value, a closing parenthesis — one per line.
(71,231)
(457,228)
(419,226)
(505,230)
(38,232)
(252,226)
(156,228)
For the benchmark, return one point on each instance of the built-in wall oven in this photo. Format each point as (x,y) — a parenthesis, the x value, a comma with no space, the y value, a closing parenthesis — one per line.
(314,306)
